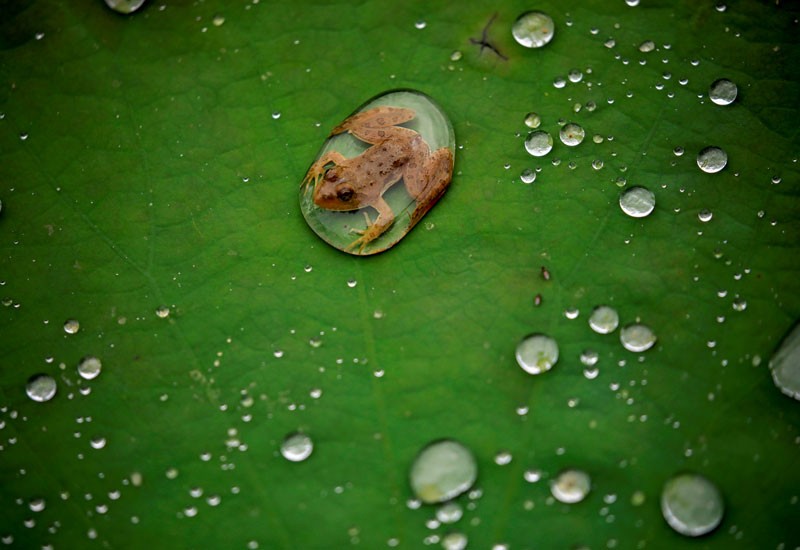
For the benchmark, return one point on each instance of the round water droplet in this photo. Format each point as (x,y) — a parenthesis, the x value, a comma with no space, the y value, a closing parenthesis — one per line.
(89,367)
(712,159)
(533,120)
(454,541)
(705,215)
(785,364)
(162,312)
(571,134)
(722,91)
(539,143)
(218,20)
(533,29)
(692,505)
(637,337)
(637,202)
(420,24)
(589,357)
(537,353)
(72,326)
(528,176)
(604,319)
(330,193)
(125,6)
(297,447)
(443,470)
(571,486)
(575,75)
(532,475)
(450,512)
(41,387)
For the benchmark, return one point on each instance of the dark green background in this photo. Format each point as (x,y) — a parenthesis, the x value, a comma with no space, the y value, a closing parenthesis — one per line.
(154,174)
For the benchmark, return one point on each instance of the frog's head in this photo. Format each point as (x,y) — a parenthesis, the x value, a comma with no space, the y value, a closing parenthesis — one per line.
(335,192)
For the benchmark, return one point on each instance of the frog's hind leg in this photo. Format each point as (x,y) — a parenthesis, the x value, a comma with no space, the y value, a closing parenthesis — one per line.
(426,181)
(372,125)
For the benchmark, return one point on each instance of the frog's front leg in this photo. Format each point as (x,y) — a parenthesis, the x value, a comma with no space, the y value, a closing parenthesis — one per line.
(374,229)
(317,169)
(427,178)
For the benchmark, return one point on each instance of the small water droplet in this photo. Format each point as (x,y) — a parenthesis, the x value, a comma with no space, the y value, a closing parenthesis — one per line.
(571,134)
(450,512)
(597,164)
(442,470)
(575,75)
(502,458)
(712,159)
(589,357)
(739,304)
(72,326)
(276,115)
(537,353)
(533,29)
(41,387)
(455,56)
(125,6)
(559,82)
(692,505)
(571,486)
(785,364)
(527,176)
(98,442)
(604,319)
(89,367)
(637,202)
(539,143)
(532,475)
(637,337)
(218,20)
(420,24)
(297,447)
(36,504)
(723,91)
(162,312)
(454,541)
(533,120)
(705,215)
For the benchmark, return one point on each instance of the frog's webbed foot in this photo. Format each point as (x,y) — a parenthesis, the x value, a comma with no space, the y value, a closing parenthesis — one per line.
(374,229)
(317,170)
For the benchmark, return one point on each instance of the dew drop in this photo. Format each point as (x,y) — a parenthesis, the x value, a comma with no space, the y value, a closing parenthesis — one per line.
(450,512)
(527,176)
(41,387)
(571,134)
(692,505)
(352,283)
(442,470)
(454,541)
(537,353)
(723,91)
(539,143)
(456,55)
(637,337)
(162,312)
(604,319)
(533,29)
(785,364)
(589,357)
(276,115)
(72,326)
(98,442)
(89,367)
(218,20)
(532,475)
(705,215)
(571,486)
(420,24)
(297,447)
(712,159)
(575,76)
(533,120)
(637,202)
(647,46)
(503,458)
(36,504)
(125,6)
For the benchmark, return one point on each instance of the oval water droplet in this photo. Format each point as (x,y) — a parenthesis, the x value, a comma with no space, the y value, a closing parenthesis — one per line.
(125,6)
(692,505)
(637,202)
(712,159)
(722,91)
(89,367)
(571,134)
(604,319)
(297,447)
(537,353)
(41,387)
(443,470)
(401,138)
(571,486)
(785,364)
(539,143)
(533,29)
(647,46)
(637,337)
(533,120)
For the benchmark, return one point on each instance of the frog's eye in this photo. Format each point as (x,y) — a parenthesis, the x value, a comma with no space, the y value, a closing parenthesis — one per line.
(345,193)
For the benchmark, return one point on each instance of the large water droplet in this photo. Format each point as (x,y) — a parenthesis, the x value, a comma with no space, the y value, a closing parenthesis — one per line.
(637,337)
(41,387)
(297,447)
(785,364)
(722,91)
(443,470)
(125,6)
(537,353)
(692,505)
(571,134)
(533,29)
(539,143)
(89,367)
(637,202)
(604,319)
(571,486)
(712,159)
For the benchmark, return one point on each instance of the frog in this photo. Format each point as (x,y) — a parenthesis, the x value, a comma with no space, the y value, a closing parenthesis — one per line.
(395,154)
